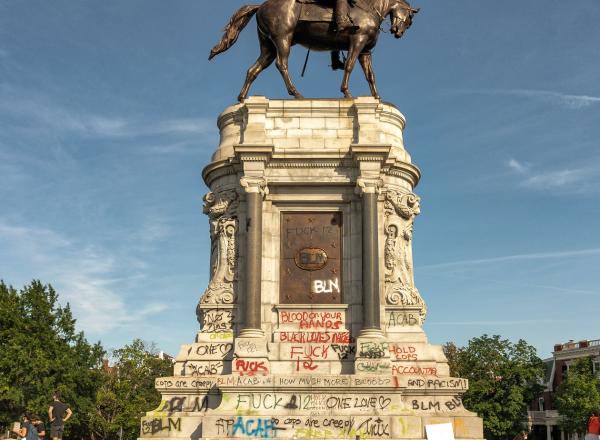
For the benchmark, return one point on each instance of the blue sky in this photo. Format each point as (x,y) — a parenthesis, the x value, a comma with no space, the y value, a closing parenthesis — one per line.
(107,116)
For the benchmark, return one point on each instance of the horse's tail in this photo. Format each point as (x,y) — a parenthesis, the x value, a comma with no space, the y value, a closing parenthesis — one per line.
(232,31)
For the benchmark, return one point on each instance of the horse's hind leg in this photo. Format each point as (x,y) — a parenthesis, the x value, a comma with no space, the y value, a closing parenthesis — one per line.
(283,53)
(366,63)
(266,57)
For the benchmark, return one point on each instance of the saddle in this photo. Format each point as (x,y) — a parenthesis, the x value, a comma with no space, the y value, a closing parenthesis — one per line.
(316,10)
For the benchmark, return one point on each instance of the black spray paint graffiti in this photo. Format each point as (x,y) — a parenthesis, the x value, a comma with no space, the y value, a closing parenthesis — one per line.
(156,425)
(402,319)
(343,350)
(214,349)
(271,401)
(204,368)
(374,428)
(428,405)
(179,404)
(217,321)
(373,350)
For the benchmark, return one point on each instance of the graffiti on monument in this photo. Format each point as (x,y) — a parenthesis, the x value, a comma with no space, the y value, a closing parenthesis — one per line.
(302,427)
(312,320)
(311,256)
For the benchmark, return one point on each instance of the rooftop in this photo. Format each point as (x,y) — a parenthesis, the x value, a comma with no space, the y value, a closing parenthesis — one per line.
(577,345)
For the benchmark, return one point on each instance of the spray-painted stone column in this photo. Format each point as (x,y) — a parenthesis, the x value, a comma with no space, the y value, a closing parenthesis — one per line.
(369,159)
(370,266)
(253,154)
(255,189)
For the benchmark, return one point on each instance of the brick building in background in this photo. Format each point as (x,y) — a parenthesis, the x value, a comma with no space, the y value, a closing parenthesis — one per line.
(543,416)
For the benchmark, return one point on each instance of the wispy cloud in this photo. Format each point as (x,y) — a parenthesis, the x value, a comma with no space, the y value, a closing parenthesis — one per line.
(186,147)
(515,257)
(556,179)
(575,180)
(565,100)
(31,239)
(517,166)
(87,277)
(516,284)
(154,229)
(34,113)
(497,323)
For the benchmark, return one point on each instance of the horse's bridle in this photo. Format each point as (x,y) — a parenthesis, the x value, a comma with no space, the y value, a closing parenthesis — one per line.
(372,9)
(401,23)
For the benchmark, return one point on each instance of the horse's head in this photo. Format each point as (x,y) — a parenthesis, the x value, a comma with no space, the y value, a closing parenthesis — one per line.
(401,16)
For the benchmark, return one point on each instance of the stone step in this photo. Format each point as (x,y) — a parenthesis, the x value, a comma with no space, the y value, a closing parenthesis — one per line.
(323,382)
(466,426)
(302,364)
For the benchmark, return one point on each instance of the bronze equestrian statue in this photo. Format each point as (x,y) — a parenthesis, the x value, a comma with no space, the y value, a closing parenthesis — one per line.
(310,23)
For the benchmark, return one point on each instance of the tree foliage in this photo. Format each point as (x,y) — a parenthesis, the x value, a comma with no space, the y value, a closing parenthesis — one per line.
(127,391)
(577,396)
(42,352)
(452,352)
(503,378)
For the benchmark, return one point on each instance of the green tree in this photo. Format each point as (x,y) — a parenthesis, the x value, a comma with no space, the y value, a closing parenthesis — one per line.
(128,391)
(503,378)
(577,396)
(42,352)
(453,353)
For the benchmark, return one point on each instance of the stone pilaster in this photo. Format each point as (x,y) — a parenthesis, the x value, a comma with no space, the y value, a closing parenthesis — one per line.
(255,189)
(253,158)
(369,160)
(368,189)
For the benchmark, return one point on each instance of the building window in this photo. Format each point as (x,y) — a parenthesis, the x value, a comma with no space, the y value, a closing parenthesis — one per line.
(596,367)
(564,369)
(541,404)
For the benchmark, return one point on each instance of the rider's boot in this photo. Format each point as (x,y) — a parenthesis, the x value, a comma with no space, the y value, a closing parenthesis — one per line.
(343,23)
(336,62)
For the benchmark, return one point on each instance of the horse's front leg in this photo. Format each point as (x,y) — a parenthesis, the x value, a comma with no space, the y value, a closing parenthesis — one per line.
(366,63)
(283,53)
(356,47)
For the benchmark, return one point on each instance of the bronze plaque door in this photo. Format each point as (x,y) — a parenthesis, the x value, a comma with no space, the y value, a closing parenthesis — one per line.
(311,258)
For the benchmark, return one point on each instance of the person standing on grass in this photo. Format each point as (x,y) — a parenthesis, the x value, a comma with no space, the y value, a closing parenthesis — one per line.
(58,413)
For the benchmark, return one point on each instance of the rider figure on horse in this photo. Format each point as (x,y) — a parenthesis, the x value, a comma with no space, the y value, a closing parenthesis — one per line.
(342,23)
(342,19)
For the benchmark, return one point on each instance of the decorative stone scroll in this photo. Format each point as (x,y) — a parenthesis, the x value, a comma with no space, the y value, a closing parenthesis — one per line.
(222,212)
(400,210)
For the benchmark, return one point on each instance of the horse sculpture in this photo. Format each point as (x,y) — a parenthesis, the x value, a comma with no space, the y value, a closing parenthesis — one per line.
(283,23)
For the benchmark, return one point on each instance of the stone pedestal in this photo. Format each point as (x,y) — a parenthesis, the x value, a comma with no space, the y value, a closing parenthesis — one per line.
(311,325)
